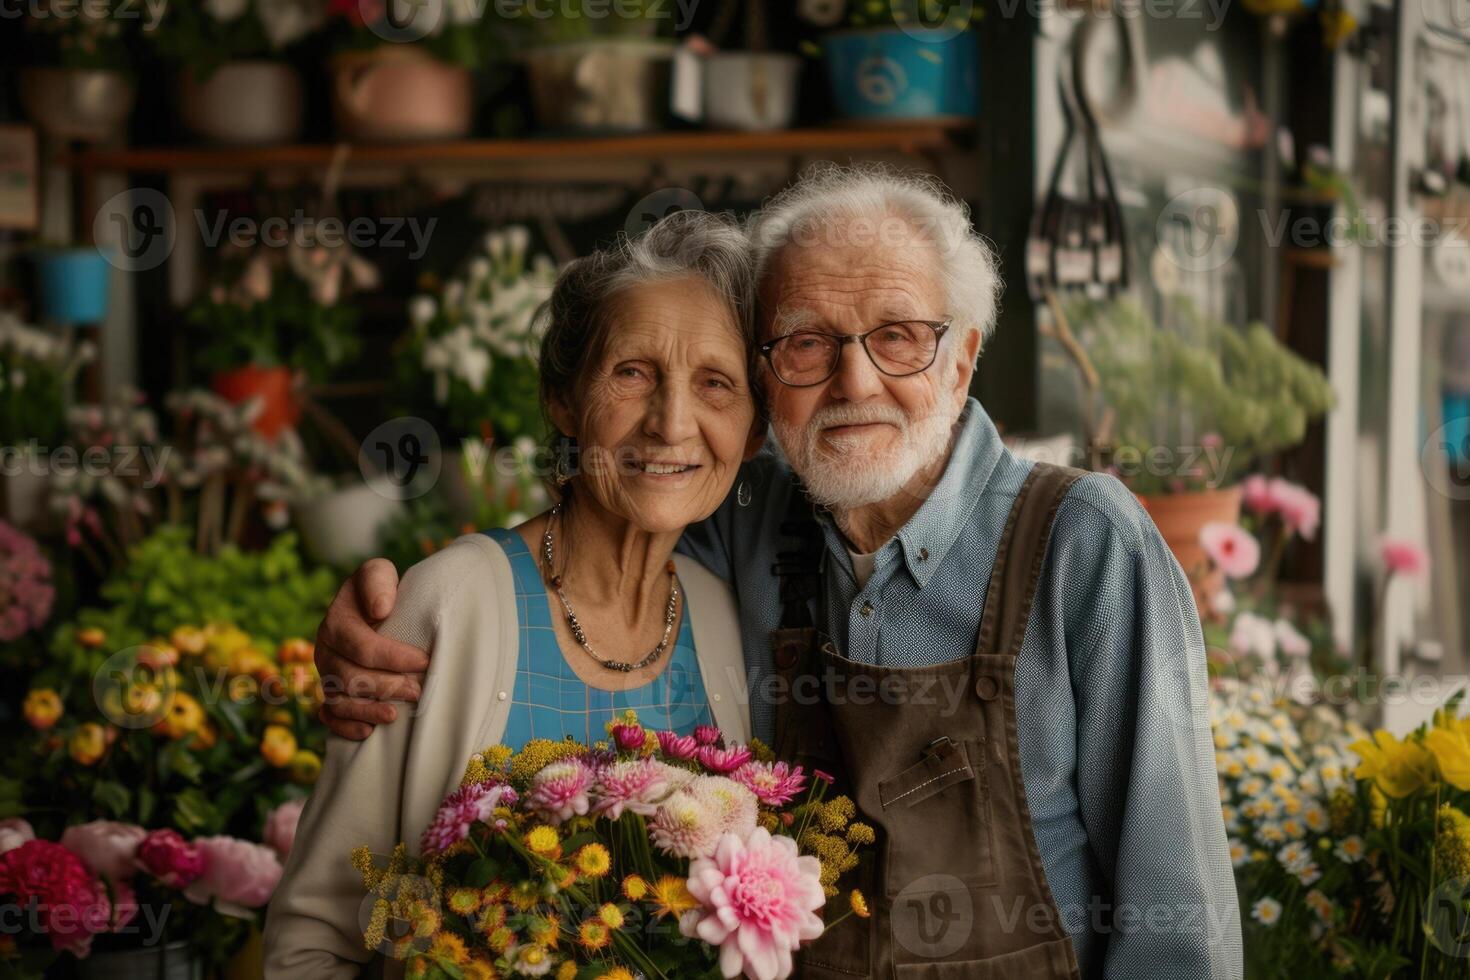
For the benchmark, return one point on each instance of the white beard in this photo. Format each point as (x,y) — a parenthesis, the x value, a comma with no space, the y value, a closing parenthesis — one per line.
(840,475)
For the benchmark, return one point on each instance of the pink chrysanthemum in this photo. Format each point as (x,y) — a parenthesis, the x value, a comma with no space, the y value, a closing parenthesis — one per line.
(561,790)
(465,806)
(684,826)
(629,738)
(636,785)
(760,901)
(1231,548)
(677,746)
(732,806)
(723,760)
(773,783)
(707,734)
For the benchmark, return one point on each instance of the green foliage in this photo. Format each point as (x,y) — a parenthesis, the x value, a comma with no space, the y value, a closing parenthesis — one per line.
(37,373)
(913,14)
(98,35)
(190,34)
(1198,381)
(570,21)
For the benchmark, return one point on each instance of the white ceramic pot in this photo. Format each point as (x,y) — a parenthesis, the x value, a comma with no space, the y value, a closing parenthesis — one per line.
(85,104)
(750,91)
(342,527)
(24,492)
(243,103)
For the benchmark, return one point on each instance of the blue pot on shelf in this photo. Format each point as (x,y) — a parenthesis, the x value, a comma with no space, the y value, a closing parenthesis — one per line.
(74,285)
(890,74)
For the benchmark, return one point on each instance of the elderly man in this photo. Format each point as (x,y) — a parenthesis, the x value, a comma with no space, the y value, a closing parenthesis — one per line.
(1000,662)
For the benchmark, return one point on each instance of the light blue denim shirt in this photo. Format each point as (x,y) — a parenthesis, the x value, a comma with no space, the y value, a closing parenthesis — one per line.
(1111,692)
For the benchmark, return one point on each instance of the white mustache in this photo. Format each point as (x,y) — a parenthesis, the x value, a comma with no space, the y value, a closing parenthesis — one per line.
(835,415)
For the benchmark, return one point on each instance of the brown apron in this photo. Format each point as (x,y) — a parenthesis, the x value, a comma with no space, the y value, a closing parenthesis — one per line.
(929,755)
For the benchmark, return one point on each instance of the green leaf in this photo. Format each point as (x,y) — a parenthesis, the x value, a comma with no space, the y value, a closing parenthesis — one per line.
(112,796)
(193,813)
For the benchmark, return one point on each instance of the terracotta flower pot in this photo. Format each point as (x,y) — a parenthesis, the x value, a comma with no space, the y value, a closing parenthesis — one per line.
(272,385)
(1179,517)
(398,93)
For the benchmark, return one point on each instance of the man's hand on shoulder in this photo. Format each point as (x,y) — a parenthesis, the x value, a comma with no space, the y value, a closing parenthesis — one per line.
(360,668)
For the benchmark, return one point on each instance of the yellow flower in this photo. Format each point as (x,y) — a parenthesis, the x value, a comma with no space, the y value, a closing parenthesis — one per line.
(183,717)
(1397,768)
(1377,807)
(424,920)
(463,901)
(593,935)
(88,743)
(859,904)
(187,639)
(1450,746)
(616,973)
(278,745)
(479,969)
(536,755)
(91,637)
(544,930)
(860,833)
(543,840)
(634,888)
(475,772)
(1454,842)
(671,897)
(594,861)
(42,708)
(525,896)
(305,766)
(835,814)
(499,940)
(449,947)
(610,915)
(567,971)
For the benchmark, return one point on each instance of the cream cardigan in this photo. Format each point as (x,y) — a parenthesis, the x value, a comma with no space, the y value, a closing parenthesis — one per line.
(458,604)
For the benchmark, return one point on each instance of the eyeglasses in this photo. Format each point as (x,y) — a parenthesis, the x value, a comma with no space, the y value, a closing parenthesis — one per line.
(899,349)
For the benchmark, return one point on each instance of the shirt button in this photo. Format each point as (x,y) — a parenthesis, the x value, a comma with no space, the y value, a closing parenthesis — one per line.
(501,695)
(717,697)
(867,609)
(923,554)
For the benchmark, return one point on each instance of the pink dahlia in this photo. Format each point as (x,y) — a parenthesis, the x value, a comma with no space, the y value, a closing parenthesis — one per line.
(677,746)
(1231,548)
(723,760)
(172,860)
(636,785)
(238,875)
(707,734)
(684,826)
(70,899)
(760,901)
(732,806)
(560,791)
(467,805)
(773,783)
(1403,557)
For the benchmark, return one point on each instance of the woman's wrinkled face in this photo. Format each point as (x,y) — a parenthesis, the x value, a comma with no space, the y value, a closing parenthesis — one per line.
(665,415)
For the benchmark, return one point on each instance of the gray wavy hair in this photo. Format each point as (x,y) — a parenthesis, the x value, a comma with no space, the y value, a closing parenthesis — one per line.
(832,197)
(698,244)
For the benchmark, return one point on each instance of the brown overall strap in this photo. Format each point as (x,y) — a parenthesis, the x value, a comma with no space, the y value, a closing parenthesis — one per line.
(1020,557)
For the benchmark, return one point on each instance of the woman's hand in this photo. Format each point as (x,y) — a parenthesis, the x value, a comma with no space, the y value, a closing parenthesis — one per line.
(361,669)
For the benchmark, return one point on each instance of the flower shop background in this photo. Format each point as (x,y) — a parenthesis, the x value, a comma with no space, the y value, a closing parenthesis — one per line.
(266,276)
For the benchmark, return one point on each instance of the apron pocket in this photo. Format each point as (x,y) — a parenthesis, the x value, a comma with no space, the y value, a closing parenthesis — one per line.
(1053,960)
(947,845)
(933,774)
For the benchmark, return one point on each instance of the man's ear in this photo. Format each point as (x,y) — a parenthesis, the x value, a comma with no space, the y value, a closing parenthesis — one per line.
(756,440)
(965,362)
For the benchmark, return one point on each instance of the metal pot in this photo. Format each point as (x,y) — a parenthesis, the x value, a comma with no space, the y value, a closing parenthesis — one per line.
(750,91)
(610,85)
(243,103)
(400,93)
(171,961)
(342,527)
(86,104)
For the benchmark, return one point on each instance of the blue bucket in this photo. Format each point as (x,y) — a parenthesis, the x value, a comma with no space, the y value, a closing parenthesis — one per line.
(74,285)
(896,74)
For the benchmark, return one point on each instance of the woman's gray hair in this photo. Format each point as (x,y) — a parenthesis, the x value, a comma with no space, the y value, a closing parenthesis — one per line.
(698,244)
(844,205)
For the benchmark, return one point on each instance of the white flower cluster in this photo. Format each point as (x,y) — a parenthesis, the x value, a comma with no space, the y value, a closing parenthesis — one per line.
(27,351)
(284,21)
(491,311)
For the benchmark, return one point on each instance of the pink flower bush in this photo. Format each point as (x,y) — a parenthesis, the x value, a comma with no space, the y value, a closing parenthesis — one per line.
(561,790)
(677,746)
(238,875)
(26,592)
(773,783)
(14,832)
(71,899)
(172,860)
(280,826)
(636,785)
(1231,548)
(723,760)
(1403,557)
(760,901)
(109,848)
(466,805)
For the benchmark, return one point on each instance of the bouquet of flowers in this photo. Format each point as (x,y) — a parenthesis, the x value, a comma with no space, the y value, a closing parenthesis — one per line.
(649,854)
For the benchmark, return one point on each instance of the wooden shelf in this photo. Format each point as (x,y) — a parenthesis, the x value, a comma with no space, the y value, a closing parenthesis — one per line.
(910,138)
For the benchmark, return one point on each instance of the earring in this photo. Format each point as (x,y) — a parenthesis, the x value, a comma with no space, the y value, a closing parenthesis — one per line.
(561,471)
(744,493)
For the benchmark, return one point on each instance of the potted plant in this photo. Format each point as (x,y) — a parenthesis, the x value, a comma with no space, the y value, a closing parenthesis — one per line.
(1181,413)
(598,69)
(279,321)
(37,373)
(234,84)
(81,87)
(905,59)
(754,89)
(394,80)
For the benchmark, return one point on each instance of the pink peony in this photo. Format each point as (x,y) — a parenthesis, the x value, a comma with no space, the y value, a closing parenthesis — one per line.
(677,746)
(636,785)
(71,899)
(280,826)
(465,806)
(774,784)
(560,791)
(723,760)
(238,875)
(172,860)
(1300,508)
(1402,557)
(14,832)
(1231,548)
(109,848)
(761,901)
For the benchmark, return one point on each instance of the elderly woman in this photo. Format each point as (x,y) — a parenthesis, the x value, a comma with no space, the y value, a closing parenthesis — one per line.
(549,629)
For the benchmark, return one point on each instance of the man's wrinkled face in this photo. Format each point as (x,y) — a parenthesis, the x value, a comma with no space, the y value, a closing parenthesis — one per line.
(861,436)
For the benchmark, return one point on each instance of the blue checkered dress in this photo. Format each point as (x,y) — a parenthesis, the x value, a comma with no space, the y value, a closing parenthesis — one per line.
(551,701)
